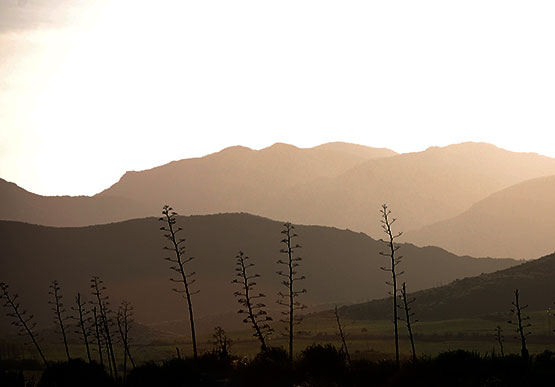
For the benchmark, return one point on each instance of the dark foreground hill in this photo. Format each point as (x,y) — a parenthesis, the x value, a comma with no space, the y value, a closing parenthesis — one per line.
(340,266)
(486,294)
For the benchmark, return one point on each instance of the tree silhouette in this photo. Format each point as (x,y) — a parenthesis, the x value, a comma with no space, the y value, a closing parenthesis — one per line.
(59,311)
(222,343)
(102,304)
(387,222)
(82,319)
(500,338)
(289,299)
(124,321)
(178,264)
(408,317)
(21,319)
(521,324)
(254,309)
(342,336)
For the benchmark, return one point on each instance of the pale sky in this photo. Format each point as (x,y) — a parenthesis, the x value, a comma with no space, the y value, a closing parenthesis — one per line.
(92,88)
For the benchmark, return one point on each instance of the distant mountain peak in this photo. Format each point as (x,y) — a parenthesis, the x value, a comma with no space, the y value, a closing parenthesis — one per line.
(234,148)
(280,146)
(465,146)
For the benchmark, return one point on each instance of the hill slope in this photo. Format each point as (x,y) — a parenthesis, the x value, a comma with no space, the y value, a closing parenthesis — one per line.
(519,221)
(421,188)
(239,179)
(485,294)
(340,266)
(235,179)
(21,205)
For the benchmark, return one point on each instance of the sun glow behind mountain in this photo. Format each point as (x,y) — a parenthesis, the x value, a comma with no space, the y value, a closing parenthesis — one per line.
(109,86)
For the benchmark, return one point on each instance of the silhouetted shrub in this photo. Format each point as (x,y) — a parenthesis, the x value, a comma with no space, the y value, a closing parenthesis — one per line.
(148,374)
(11,379)
(369,373)
(323,365)
(317,366)
(75,372)
(545,359)
(544,367)
(210,369)
(270,368)
(215,365)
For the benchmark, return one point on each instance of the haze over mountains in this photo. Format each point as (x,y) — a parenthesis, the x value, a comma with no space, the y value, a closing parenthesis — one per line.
(340,266)
(518,221)
(335,184)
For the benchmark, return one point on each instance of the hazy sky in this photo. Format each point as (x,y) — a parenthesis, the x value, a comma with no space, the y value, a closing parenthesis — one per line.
(92,88)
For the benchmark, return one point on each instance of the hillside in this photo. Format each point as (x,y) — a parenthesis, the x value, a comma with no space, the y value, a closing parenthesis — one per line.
(21,205)
(340,266)
(486,294)
(421,188)
(240,179)
(335,184)
(518,221)
(233,180)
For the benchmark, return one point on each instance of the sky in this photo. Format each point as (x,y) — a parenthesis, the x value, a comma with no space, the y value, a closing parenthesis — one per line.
(90,89)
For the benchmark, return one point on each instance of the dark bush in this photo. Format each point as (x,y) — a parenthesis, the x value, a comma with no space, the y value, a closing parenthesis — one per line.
(173,373)
(11,379)
(323,365)
(210,369)
(73,373)
(269,368)
(369,373)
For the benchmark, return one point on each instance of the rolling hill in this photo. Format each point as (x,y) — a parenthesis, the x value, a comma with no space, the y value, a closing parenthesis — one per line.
(483,295)
(341,266)
(518,221)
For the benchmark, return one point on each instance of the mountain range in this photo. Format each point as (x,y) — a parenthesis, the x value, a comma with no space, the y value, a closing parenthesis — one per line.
(462,197)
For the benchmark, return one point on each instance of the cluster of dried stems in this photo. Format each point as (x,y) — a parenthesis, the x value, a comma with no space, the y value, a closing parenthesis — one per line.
(95,325)
(251,301)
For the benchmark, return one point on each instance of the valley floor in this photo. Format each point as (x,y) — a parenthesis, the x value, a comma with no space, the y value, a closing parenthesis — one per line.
(371,340)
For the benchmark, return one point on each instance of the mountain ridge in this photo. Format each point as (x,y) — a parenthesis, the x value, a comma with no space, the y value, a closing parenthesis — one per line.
(341,266)
(321,185)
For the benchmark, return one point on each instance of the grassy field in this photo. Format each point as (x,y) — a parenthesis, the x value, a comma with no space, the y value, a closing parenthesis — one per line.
(366,339)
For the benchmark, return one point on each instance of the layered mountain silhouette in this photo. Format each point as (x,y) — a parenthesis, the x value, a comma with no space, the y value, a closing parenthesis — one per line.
(336,184)
(518,221)
(19,204)
(421,188)
(341,266)
(235,179)
(484,295)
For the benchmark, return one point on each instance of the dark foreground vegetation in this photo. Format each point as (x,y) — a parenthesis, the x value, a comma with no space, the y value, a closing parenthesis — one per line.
(317,365)
(108,332)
